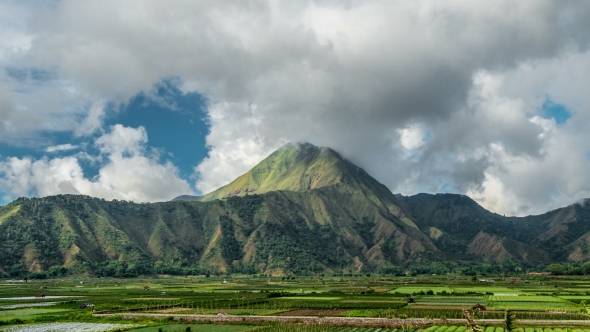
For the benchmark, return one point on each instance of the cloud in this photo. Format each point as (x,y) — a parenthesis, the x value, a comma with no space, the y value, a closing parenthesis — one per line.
(61,147)
(129,172)
(426,95)
(92,122)
(413,136)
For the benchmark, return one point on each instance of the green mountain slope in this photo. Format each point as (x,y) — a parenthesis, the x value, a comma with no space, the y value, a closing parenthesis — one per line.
(301,167)
(278,232)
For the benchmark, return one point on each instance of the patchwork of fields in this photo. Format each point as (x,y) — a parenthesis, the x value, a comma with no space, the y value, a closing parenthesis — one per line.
(362,296)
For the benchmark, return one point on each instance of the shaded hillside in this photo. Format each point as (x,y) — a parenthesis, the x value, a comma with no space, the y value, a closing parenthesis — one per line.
(564,233)
(459,226)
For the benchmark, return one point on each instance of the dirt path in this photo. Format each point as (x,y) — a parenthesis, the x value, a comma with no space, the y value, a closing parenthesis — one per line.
(343,321)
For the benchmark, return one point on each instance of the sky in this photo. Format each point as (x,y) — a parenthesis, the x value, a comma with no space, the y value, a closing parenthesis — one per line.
(147,100)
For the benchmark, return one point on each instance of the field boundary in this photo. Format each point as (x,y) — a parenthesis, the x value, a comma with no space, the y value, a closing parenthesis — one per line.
(340,321)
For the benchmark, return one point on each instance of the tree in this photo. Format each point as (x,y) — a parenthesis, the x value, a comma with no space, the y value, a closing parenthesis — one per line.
(556,269)
(57,271)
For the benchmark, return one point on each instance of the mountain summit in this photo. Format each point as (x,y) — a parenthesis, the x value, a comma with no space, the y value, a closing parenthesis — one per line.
(298,167)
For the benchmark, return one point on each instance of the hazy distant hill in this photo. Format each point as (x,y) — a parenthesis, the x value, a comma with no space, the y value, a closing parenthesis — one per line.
(303,209)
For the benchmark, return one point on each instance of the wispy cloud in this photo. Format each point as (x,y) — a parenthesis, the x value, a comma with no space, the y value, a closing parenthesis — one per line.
(61,147)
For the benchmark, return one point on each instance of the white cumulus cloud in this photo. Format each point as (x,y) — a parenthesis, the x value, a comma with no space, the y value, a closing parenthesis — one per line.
(129,172)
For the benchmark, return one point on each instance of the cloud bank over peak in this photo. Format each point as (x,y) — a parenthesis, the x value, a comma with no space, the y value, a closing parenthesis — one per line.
(425,95)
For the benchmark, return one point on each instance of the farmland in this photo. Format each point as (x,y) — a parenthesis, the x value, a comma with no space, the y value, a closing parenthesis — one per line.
(431,304)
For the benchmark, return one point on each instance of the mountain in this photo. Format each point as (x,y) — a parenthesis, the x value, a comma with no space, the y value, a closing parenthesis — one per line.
(462,227)
(304,209)
(300,167)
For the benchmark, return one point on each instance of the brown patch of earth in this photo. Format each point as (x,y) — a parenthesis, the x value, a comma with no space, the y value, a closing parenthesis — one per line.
(306,312)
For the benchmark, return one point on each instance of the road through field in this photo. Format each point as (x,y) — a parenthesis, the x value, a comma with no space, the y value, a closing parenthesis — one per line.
(342,321)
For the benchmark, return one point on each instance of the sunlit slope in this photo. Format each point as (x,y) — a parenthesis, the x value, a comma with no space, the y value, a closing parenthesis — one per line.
(294,167)
(301,167)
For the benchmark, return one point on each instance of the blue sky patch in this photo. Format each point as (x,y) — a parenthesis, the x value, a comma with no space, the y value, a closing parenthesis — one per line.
(30,74)
(555,110)
(174,121)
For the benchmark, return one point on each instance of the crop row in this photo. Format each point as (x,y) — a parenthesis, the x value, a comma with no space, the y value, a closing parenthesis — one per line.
(534,298)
